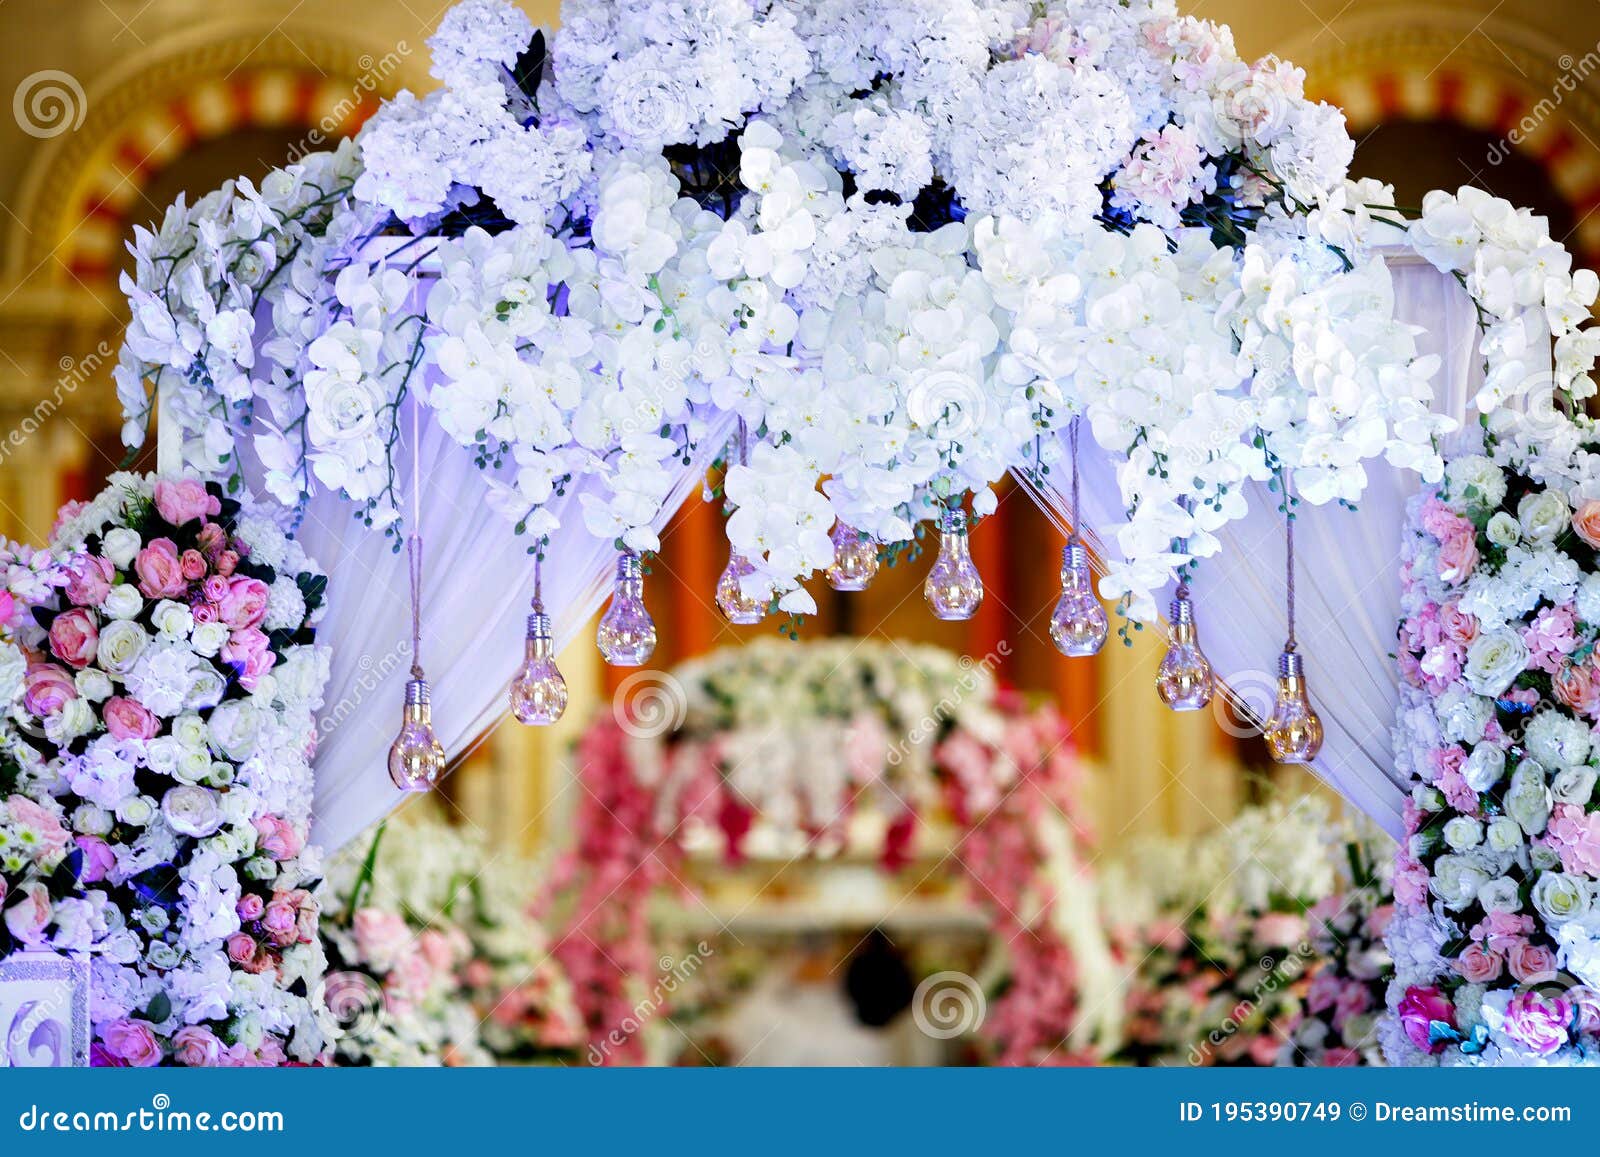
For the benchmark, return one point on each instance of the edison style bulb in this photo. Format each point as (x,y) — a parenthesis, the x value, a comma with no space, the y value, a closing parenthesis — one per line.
(953,587)
(416,759)
(627,634)
(1079,624)
(1184,679)
(855,559)
(538,693)
(739,608)
(1293,733)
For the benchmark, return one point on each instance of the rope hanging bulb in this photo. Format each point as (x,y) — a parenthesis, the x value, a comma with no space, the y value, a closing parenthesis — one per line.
(539,692)
(739,606)
(1294,732)
(1078,625)
(1184,680)
(416,758)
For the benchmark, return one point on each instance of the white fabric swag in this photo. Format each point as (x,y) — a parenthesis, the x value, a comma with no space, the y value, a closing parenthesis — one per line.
(1347,567)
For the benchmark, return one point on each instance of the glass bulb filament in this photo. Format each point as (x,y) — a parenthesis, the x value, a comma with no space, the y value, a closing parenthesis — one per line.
(1184,679)
(855,559)
(416,758)
(953,587)
(627,634)
(538,693)
(1293,732)
(1079,624)
(738,607)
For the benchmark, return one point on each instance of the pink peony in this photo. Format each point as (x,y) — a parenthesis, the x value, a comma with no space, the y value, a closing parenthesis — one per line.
(1458,555)
(1531,963)
(98,859)
(160,573)
(245,603)
(1477,965)
(196,1046)
(132,1042)
(1538,1022)
(47,689)
(250,655)
(184,501)
(1418,1009)
(73,637)
(91,581)
(277,838)
(129,719)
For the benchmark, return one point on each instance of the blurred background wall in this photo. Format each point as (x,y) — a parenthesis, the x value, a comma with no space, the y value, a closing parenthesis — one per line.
(120,106)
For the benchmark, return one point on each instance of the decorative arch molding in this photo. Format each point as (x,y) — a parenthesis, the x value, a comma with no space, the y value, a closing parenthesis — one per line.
(81,193)
(1423,62)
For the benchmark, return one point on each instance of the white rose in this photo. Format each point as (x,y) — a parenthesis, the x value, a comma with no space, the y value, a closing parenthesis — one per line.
(1477,481)
(1503,530)
(1456,880)
(208,638)
(222,774)
(93,684)
(121,644)
(163,955)
(191,810)
(174,620)
(1528,799)
(235,727)
(136,811)
(1499,895)
(1504,834)
(123,602)
(1573,785)
(161,754)
(1484,767)
(193,765)
(1558,897)
(1544,857)
(189,729)
(1544,515)
(75,718)
(120,545)
(1463,832)
(1494,659)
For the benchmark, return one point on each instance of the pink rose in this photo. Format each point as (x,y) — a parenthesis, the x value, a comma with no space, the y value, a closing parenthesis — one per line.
(98,859)
(204,612)
(160,573)
(245,603)
(241,948)
(129,719)
(193,564)
(1477,965)
(1419,1008)
(91,581)
(1576,687)
(277,838)
(1280,929)
(215,589)
(1459,626)
(196,1046)
(47,689)
(1531,963)
(1586,522)
(132,1042)
(227,562)
(184,501)
(437,950)
(250,907)
(1538,1022)
(250,656)
(1458,554)
(27,918)
(211,540)
(382,936)
(73,637)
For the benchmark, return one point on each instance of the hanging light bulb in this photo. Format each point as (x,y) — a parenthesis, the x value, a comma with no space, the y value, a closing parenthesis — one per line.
(1184,678)
(739,608)
(953,587)
(855,559)
(416,758)
(1293,732)
(538,693)
(1079,624)
(627,634)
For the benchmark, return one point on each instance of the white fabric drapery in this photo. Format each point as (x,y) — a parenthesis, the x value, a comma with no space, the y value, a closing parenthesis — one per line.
(1348,580)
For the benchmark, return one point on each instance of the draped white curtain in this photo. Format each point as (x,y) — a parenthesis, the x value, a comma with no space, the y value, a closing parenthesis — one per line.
(477,582)
(1348,581)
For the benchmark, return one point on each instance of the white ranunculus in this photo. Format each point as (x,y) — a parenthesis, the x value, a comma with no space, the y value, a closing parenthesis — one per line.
(1559,897)
(191,810)
(174,620)
(1456,880)
(1504,835)
(206,688)
(121,643)
(189,729)
(120,545)
(192,765)
(136,811)
(162,753)
(1463,832)
(1503,529)
(1500,895)
(122,602)
(1494,659)
(208,638)
(1544,515)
